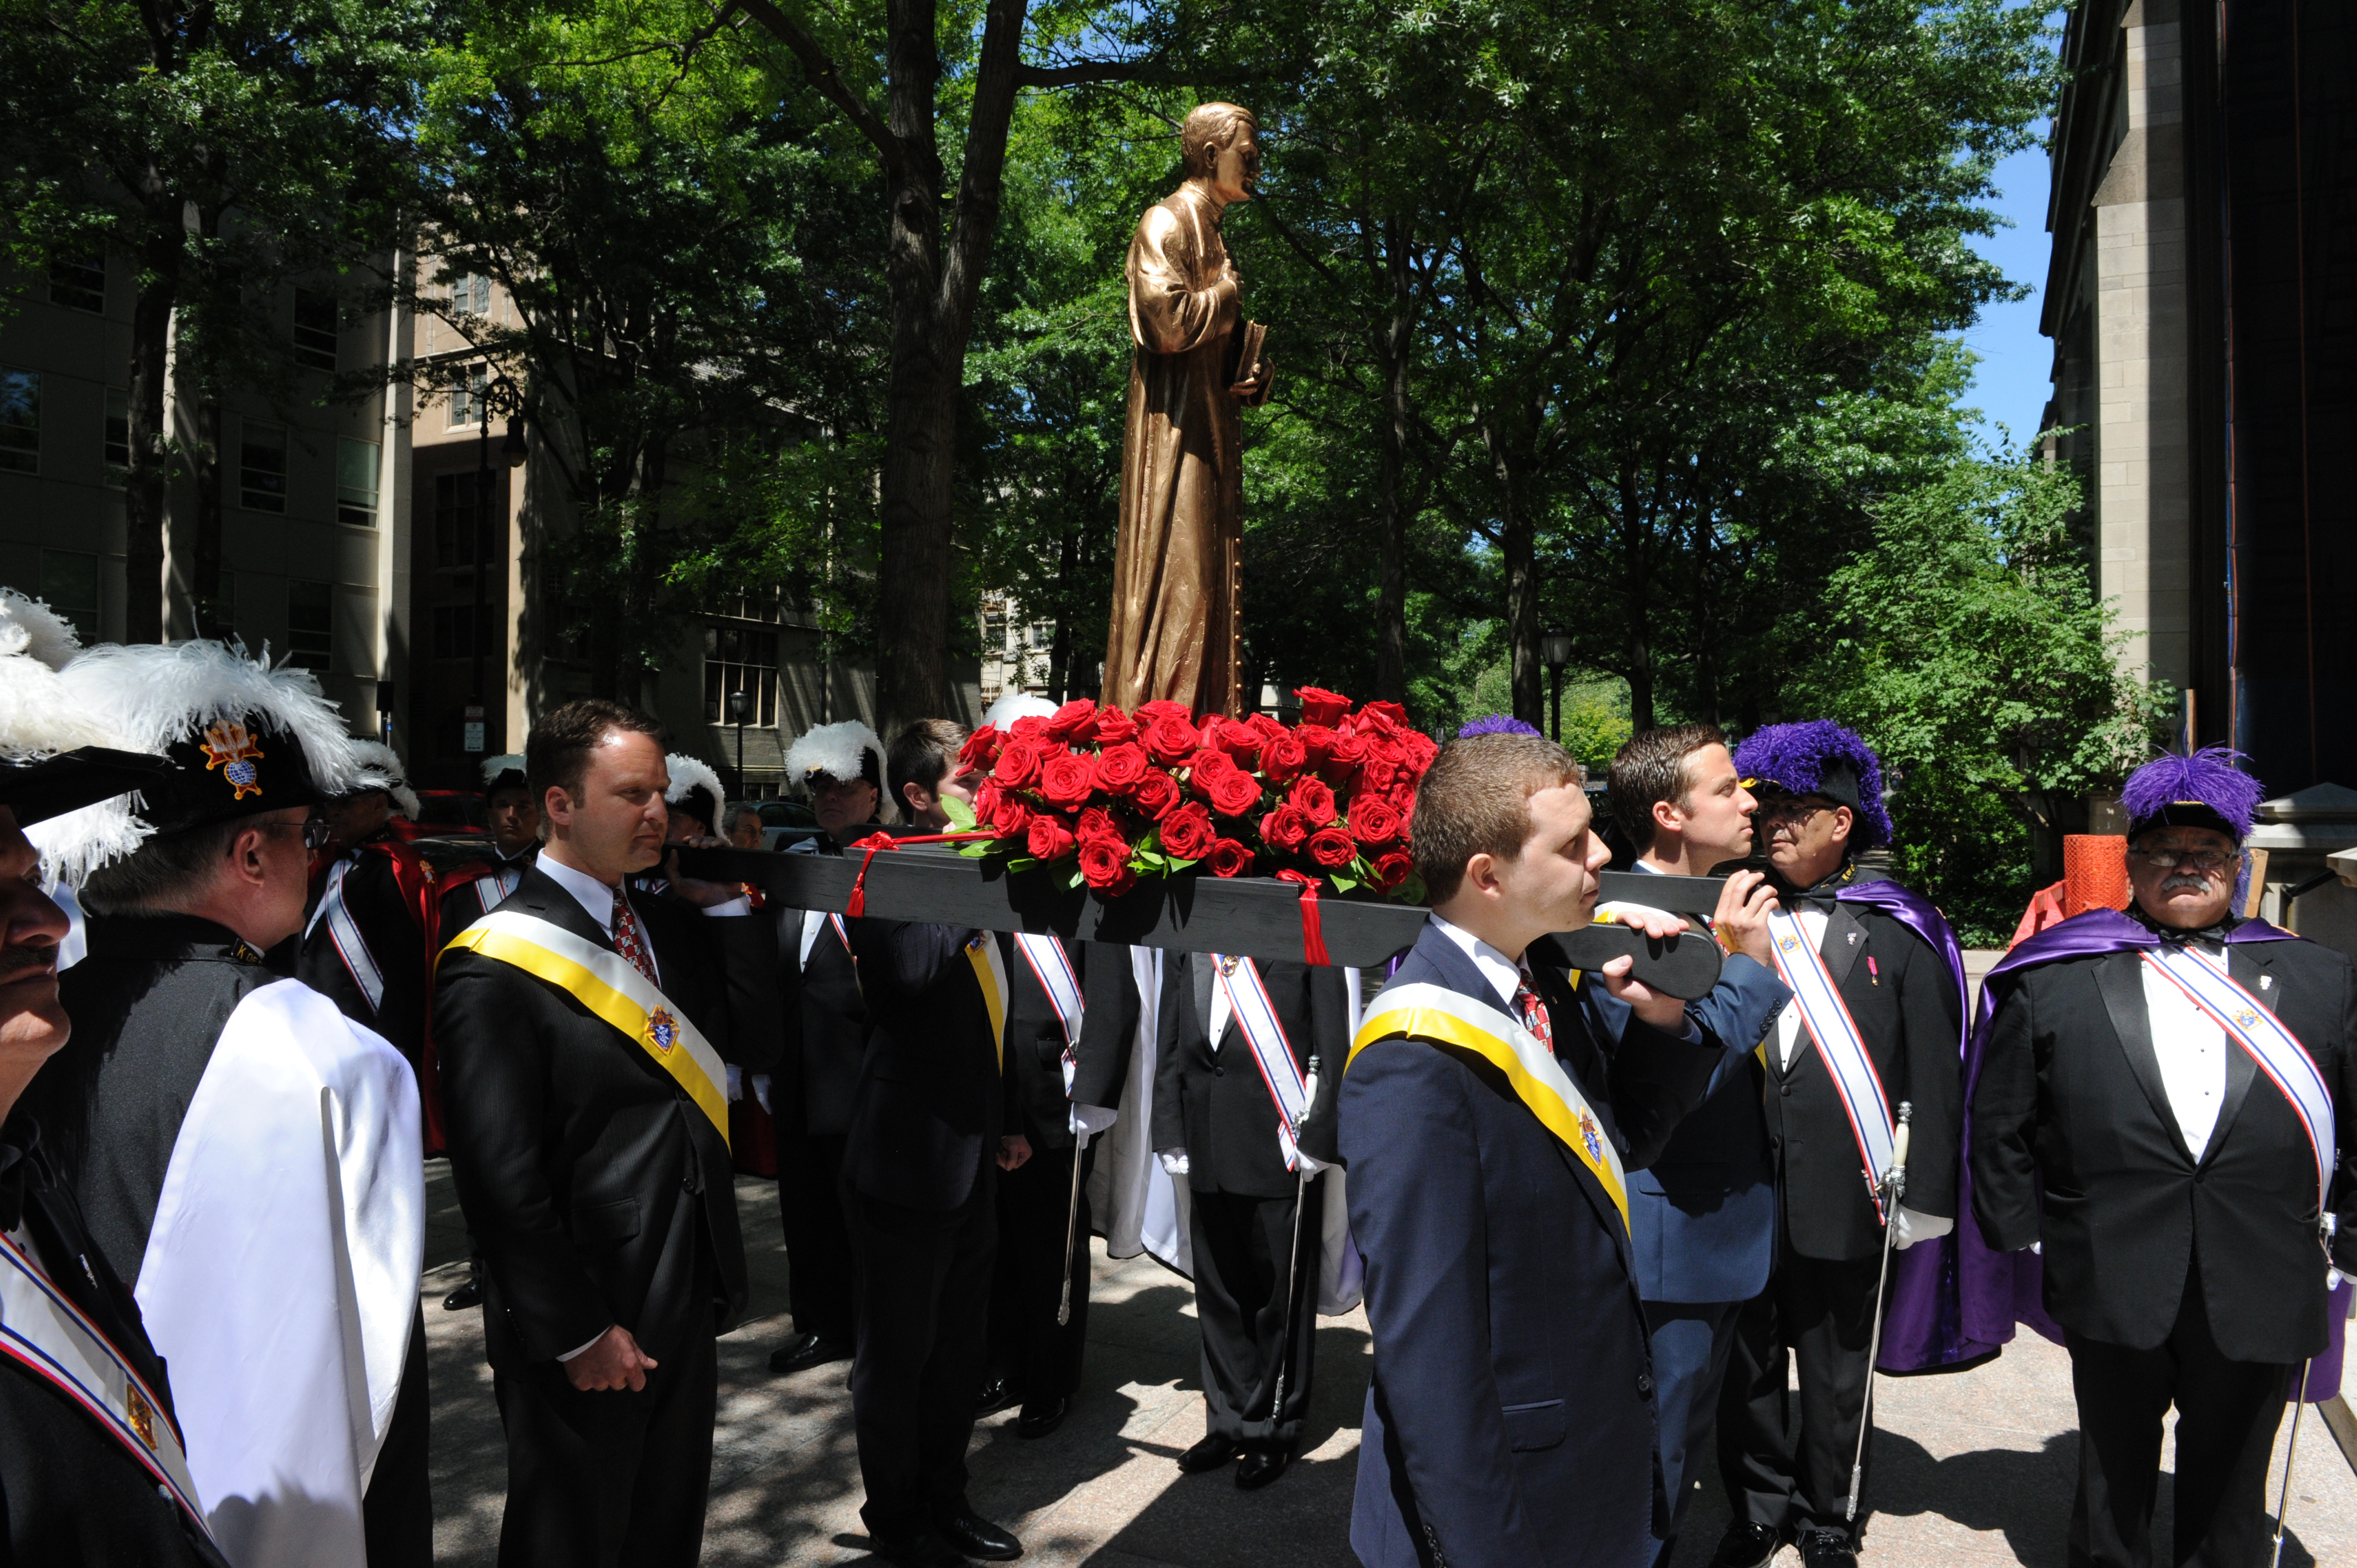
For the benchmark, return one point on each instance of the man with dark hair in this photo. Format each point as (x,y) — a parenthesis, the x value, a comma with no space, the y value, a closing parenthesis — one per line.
(1703,1215)
(581,1033)
(2163,1101)
(1489,1125)
(929,1136)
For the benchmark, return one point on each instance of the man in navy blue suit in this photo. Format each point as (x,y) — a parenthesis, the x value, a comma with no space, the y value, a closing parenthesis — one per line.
(1703,1215)
(1487,1122)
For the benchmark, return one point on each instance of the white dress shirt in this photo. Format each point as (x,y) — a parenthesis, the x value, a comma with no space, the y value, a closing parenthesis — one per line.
(599,899)
(2192,1050)
(1504,975)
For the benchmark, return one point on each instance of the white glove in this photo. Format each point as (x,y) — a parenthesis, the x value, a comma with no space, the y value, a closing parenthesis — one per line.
(1173,1160)
(1308,1167)
(735,1082)
(761,1091)
(1088,1121)
(1915,1225)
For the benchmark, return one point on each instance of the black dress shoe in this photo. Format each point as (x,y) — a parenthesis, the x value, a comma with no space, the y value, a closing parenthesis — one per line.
(1038,1419)
(1828,1549)
(1209,1455)
(997,1395)
(805,1351)
(1260,1466)
(466,1295)
(977,1537)
(1748,1545)
(917,1549)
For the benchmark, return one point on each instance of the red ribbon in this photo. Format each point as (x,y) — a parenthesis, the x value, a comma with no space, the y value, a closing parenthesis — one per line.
(1313,929)
(857,904)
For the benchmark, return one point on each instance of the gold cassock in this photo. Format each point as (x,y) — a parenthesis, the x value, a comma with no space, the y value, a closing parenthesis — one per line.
(1178,626)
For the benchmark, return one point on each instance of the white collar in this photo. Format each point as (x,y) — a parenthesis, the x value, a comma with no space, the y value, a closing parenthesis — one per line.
(1504,975)
(592,895)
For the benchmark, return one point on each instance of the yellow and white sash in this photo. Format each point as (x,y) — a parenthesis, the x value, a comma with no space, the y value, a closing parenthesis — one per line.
(611,987)
(2277,1053)
(46,1334)
(990,972)
(1434,1013)
(1839,1047)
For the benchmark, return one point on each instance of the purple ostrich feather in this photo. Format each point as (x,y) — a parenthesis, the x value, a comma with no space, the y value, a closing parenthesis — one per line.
(2208,777)
(1794,757)
(1496,724)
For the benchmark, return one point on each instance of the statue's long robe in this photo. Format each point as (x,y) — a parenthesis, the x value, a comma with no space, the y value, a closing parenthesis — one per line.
(1178,626)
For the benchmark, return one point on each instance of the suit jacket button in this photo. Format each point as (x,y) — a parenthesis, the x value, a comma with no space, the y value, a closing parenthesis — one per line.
(1644,1385)
(1785,1090)
(1219,1072)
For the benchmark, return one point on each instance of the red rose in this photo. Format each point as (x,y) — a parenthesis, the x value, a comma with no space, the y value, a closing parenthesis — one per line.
(1068,781)
(1382,717)
(1230,858)
(1343,759)
(1323,707)
(981,750)
(1074,721)
(1048,838)
(1282,758)
(1286,829)
(1234,792)
(1420,749)
(1268,727)
(1314,801)
(1240,741)
(1105,865)
(1096,822)
(1373,822)
(1187,832)
(1018,765)
(1155,793)
(1010,814)
(1031,726)
(1377,776)
(1113,727)
(1391,868)
(1119,768)
(1204,767)
(1151,713)
(1332,848)
(1170,741)
(1314,739)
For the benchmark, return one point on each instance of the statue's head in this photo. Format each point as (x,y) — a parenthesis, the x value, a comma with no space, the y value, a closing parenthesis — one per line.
(1221,146)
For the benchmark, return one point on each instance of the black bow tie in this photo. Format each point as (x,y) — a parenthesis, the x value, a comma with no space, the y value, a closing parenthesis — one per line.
(2179,936)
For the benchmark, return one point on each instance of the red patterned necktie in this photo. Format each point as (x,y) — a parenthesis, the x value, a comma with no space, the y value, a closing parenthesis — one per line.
(1534,1011)
(627,940)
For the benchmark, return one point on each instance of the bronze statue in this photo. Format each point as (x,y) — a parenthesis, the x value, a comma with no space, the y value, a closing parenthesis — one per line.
(1178,623)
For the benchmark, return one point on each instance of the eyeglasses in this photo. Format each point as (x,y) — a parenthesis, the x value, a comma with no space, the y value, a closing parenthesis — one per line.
(1790,809)
(315,832)
(2202,860)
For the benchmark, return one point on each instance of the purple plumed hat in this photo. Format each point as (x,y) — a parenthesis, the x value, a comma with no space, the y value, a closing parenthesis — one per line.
(1820,757)
(1496,724)
(2203,790)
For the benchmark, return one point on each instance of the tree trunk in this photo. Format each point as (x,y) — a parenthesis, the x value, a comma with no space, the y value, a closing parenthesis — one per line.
(913,566)
(1060,649)
(1518,546)
(205,558)
(146,482)
(1391,604)
(1638,590)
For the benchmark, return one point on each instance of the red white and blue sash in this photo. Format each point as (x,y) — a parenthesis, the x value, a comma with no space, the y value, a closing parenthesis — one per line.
(45,1333)
(495,887)
(2278,1055)
(1052,967)
(345,932)
(812,922)
(1252,1011)
(1839,1047)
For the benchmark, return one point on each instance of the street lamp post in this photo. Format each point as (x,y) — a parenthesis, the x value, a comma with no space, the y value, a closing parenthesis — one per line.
(739,701)
(496,396)
(1554,648)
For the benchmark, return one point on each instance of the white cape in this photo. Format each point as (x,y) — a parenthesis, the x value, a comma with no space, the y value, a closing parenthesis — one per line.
(282,1273)
(1141,1207)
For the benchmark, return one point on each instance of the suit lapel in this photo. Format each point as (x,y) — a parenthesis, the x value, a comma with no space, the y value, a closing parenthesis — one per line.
(2247,962)
(2120,976)
(540,894)
(1844,943)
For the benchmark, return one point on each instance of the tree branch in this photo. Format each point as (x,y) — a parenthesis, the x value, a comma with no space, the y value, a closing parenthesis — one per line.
(824,76)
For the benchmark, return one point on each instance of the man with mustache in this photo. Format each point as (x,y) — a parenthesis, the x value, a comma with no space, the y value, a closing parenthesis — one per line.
(2162,1100)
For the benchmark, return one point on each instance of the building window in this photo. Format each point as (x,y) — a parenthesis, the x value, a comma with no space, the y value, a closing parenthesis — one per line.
(461,532)
(355,469)
(118,435)
(310,624)
(261,466)
(741,659)
(466,392)
(471,294)
(453,631)
(78,283)
(315,330)
(20,420)
(70,584)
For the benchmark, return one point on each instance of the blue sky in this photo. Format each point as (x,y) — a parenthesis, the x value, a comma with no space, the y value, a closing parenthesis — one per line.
(2010,386)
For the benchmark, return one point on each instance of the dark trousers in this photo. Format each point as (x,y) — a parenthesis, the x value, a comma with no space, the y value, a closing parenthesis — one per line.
(1245,1304)
(1821,1313)
(923,1301)
(397,1514)
(2227,1413)
(1040,1357)
(1691,1342)
(818,1238)
(612,1475)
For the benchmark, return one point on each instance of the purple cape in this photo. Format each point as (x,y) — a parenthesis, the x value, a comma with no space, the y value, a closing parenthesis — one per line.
(1968,1297)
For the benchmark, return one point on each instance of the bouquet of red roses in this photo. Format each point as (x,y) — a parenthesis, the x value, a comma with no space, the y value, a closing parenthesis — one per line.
(1106,797)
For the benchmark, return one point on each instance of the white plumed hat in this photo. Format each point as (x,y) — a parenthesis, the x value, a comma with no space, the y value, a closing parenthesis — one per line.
(36,714)
(381,769)
(688,778)
(839,751)
(1016,705)
(496,768)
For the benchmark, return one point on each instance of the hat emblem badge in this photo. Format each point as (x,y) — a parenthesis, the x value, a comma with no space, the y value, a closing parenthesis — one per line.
(231,747)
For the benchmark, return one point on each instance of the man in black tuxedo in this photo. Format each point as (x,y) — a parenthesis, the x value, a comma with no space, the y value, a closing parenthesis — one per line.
(929,1136)
(1216,1124)
(2185,1248)
(590,1160)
